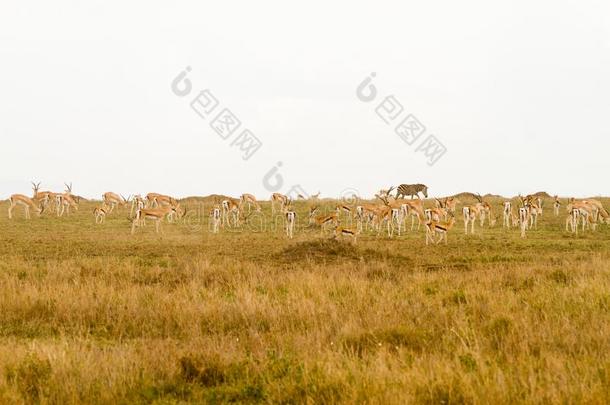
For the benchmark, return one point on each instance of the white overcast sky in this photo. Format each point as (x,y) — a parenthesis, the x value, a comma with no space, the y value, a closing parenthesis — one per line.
(518,92)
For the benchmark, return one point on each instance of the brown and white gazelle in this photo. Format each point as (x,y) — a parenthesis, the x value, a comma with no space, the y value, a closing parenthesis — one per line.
(324,220)
(215,218)
(346,233)
(281,199)
(153,214)
(524,219)
(250,200)
(99,213)
(470,213)
(230,212)
(556,206)
(507,213)
(26,202)
(112,200)
(290,219)
(68,201)
(434,228)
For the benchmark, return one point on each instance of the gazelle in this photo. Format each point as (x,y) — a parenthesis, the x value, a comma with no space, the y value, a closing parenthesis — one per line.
(250,200)
(450,204)
(46,198)
(100,213)
(397,213)
(438,228)
(154,200)
(68,201)
(153,214)
(346,233)
(556,206)
(216,218)
(414,209)
(524,219)
(572,220)
(345,209)
(435,214)
(507,213)
(290,218)
(137,203)
(230,207)
(470,213)
(484,211)
(112,200)
(324,220)
(281,199)
(533,210)
(597,209)
(26,202)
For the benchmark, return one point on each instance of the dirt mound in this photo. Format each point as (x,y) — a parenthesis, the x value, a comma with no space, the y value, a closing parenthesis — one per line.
(322,250)
(542,194)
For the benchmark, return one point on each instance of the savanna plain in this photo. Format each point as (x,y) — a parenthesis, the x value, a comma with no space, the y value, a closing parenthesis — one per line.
(91,314)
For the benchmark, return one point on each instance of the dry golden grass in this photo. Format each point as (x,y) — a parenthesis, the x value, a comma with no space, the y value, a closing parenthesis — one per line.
(89,314)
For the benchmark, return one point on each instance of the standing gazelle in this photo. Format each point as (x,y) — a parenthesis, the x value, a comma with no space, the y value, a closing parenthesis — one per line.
(153,214)
(438,228)
(290,218)
(216,218)
(507,213)
(556,206)
(100,214)
(26,203)
(67,201)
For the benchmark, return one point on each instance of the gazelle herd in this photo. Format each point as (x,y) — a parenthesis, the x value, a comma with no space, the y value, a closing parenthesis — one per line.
(387,213)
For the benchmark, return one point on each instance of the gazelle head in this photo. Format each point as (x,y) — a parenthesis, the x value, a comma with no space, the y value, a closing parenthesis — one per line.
(35,187)
(68,188)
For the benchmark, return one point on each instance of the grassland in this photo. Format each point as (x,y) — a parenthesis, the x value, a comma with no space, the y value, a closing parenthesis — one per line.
(91,314)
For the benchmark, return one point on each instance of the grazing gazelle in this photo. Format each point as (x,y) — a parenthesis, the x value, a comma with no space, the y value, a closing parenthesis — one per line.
(216,218)
(26,203)
(154,200)
(112,200)
(100,214)
(153,214)
(281,199)
(438,228)
(250,200)
(346,233)
(290,218)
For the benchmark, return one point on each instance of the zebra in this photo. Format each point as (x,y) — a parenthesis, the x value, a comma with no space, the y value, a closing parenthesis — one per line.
(405,190)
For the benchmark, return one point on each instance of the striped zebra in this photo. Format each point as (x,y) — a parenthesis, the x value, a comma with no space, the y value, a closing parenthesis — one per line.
(412,190)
